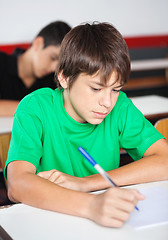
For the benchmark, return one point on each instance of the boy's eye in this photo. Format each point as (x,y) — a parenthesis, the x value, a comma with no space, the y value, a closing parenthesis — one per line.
(95,89)
(54,58)
(116,90)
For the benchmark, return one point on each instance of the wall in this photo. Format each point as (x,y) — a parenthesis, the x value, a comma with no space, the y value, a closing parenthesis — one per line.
(143,23)
(21,20)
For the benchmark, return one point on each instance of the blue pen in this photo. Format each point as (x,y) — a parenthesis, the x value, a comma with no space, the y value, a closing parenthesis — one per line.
(99,168)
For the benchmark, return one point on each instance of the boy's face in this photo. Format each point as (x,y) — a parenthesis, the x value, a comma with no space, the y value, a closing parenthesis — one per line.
(88,100)
(45,60)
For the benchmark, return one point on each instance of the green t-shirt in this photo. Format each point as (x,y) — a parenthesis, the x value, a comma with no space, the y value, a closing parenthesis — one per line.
(46,136)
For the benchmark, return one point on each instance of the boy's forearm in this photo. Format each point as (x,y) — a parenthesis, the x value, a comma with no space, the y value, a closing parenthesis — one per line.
(147,169)
(41,193)
(153,167)
(8,107)
(110,208)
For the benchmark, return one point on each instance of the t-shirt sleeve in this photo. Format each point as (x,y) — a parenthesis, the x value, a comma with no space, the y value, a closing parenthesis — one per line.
(26,139)
(136,133)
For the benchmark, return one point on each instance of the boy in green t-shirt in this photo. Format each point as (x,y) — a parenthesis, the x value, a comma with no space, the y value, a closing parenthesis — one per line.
(44,168)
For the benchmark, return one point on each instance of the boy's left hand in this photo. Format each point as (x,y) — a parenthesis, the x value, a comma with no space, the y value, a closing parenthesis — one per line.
(63,179)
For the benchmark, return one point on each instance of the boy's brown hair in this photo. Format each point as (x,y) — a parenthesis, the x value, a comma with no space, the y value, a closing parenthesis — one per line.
(94,48)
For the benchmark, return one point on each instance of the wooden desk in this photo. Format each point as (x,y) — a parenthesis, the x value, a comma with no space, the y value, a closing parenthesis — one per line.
(152,106)
(6,124)
(24,222)
(147,82)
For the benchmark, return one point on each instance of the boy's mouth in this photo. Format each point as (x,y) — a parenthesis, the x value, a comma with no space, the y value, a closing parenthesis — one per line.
(100,114)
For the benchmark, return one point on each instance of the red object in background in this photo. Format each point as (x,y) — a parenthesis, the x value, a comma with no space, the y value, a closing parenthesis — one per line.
(132,42)
(9,48)
(147,41)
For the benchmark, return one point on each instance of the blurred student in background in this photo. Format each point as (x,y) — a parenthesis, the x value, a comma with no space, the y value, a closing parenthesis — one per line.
(27,70)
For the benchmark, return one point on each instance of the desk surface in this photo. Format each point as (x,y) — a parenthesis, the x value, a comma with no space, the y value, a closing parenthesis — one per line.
(25,222)
(151,105)
(6,124)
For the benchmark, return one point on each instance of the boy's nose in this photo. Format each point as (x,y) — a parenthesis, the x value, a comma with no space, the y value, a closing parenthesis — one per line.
(106,100)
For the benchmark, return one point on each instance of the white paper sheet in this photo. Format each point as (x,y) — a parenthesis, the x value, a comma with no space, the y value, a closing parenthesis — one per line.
(153,210)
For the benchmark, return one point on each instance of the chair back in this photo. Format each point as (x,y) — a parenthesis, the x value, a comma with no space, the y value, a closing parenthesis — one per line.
(4,146)
(162,126)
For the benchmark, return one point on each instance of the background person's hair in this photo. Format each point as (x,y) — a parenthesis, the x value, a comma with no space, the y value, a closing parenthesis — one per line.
(94,48)
(54,33)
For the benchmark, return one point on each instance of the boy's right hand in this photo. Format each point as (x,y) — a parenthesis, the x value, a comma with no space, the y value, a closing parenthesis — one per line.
(113,207)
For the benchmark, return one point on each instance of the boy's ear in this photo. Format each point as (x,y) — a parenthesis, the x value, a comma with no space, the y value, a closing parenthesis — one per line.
(64,81)
(38,43)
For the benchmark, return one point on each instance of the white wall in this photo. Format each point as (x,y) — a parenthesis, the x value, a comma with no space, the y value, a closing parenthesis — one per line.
(20,20)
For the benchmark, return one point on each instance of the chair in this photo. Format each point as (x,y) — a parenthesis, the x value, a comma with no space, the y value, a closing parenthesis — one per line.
(4,146)
(162,126)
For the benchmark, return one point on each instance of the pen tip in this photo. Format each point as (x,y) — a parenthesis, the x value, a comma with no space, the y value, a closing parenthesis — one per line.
(136,208)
